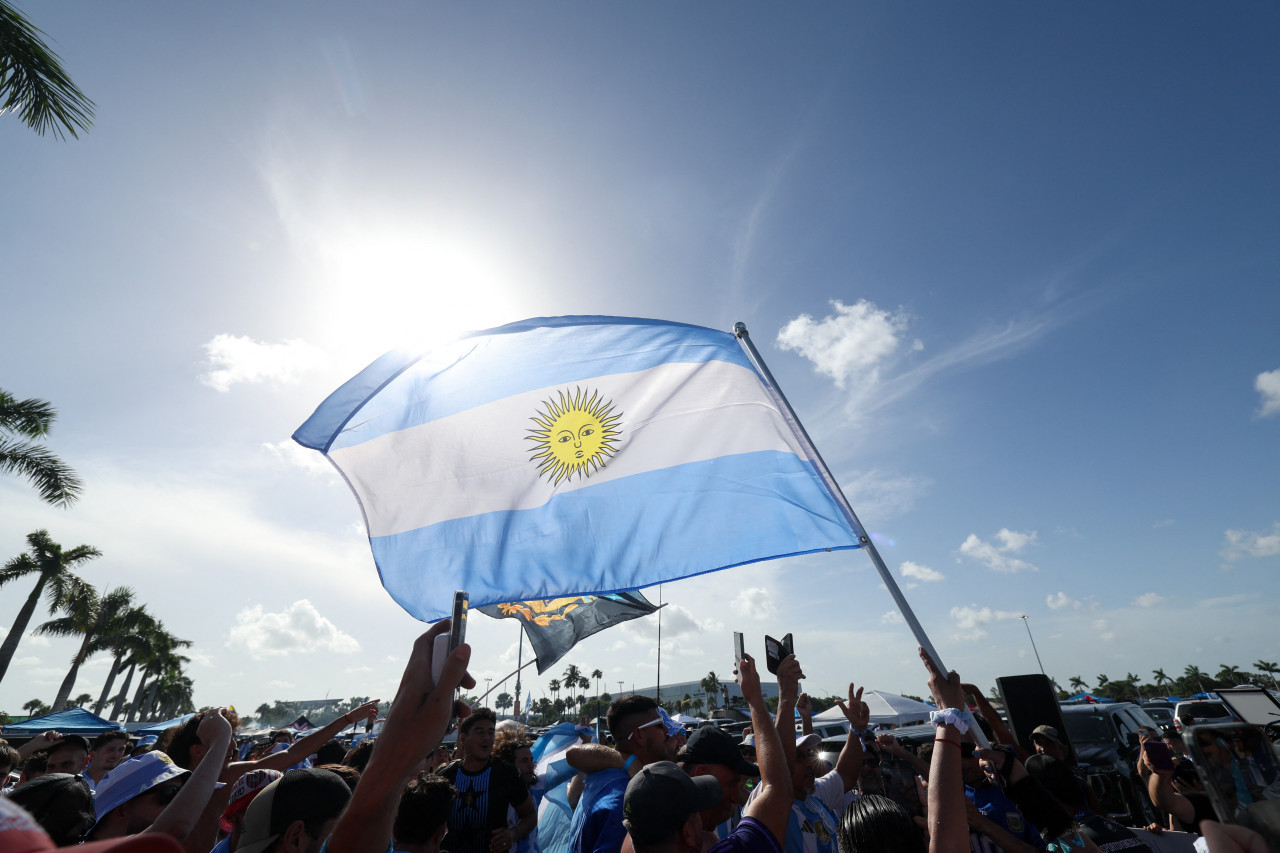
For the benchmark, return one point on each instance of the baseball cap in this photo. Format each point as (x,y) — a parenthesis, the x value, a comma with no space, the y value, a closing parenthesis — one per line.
(807,741)
(132,778)
(243,791)
(710,745)
(69,740)
(22,834)
(661,797)
(146,741)
(312,796)
(1048,733)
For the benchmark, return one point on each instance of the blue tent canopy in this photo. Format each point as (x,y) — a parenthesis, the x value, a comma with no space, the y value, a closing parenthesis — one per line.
(159,728)
(73,721)
(1087,698)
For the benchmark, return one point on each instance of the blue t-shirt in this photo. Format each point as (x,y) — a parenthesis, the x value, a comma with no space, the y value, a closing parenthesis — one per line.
(749,836)
(993,803)
(811,827)
(597,821)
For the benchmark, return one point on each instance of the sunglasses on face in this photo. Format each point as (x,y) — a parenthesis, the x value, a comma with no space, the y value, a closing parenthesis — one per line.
(657,721)
(165,795)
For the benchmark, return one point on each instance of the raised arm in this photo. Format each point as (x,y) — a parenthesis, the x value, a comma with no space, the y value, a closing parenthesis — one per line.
(998,728)
(594,757)
(789,675)
(416,723)
(179,817)
(772,806)
(1160,790)
(849,764)
(948,823)
(805,708)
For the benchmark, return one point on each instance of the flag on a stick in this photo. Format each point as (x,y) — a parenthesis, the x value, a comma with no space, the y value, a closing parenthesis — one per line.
(571,456)
(556,625)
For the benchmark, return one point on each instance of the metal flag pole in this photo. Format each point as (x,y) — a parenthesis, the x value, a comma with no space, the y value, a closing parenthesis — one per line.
(519,666)
(784,406)
(657,696)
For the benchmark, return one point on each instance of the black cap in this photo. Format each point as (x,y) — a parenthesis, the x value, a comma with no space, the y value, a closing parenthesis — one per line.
(661,797)
(710,745)
(69,740)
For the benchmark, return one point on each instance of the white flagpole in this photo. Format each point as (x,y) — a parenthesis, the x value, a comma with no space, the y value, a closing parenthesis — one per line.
(740,332)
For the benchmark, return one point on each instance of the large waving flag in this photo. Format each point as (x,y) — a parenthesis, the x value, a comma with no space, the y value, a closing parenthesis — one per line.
(555,626)
(572,456)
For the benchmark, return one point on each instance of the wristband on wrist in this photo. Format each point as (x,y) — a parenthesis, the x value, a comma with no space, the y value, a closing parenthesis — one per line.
(947,740)
(949,717)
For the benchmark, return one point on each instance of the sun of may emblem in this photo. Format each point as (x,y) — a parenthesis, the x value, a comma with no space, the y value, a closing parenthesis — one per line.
(576,434)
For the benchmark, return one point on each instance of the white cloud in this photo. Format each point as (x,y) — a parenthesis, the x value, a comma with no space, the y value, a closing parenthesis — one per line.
(299,628)
(1060,600)
(892,617)
(882,496)
(1148,599)
(920,573)
(234,358)
(972,620)
(755,603)
(999,558)
(1268,385)
(1246,543)
(850,343)
(1227,600)
(294,455)
(1103,629)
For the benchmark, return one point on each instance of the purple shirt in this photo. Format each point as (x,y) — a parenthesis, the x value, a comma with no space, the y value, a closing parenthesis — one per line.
(750,836)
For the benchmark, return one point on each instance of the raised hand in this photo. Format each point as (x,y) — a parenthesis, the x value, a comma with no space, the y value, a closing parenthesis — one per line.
(947,690)
(857,712)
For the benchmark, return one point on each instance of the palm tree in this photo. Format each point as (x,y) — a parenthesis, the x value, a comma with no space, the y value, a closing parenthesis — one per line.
(1195,674)
(54,577)
(571,676)
(33,82)
(30,420)
(1161,677)
(1230,674)
(504,701)
(81,700)
(1077,684)
(167,664)
(554,689)
(710,686)
(597,675)
(1270,668)
(1102,684)
(35,708)
(172,695)
(87,616)
(1132,681)
(126,637)
(159,658)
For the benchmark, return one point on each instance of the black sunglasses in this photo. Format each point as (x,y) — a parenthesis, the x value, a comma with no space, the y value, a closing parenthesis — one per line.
(166,795)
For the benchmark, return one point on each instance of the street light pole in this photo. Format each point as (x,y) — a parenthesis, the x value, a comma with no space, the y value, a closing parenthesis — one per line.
(1026,620)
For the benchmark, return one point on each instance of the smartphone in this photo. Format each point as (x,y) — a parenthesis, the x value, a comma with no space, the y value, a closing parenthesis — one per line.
(773,654)
(1241,775)
(739,648)
(458,620)
(1159,754)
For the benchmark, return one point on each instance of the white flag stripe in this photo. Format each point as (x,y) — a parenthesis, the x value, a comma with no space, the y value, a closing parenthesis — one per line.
(479,461)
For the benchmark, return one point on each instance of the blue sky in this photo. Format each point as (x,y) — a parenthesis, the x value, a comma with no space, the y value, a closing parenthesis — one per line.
(1015,265)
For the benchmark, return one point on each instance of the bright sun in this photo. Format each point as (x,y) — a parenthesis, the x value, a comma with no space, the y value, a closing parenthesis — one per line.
(575,435)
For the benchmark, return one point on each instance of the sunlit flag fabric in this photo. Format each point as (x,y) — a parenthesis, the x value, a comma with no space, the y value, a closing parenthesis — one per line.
(555,626)
(571,456)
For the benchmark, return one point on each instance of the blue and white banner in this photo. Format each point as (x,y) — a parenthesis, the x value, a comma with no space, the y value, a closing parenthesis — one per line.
(570,456)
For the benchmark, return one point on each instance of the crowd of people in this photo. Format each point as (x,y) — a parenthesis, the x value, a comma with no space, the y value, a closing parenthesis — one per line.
(651,788)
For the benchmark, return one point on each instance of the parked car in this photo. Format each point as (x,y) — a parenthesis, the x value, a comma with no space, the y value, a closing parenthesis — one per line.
(1162,714)
(1105,740)
(1203,712)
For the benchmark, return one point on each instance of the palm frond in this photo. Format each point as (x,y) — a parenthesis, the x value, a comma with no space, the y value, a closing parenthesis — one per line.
(33,82)
(32,418)
(51,477)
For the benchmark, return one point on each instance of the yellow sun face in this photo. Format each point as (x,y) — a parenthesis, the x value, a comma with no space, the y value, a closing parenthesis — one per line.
(575,436)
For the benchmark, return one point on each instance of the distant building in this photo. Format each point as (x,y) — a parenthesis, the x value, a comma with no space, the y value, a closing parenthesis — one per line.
(676,692)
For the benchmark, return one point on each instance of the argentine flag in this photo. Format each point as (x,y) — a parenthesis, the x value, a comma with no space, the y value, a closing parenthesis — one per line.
(571,456)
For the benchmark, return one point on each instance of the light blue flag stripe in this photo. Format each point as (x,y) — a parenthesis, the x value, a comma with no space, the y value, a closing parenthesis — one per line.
(404,389)
(635,532)
(707,473)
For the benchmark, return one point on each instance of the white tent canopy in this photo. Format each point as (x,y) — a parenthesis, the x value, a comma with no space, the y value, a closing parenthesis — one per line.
(685,719)
(887,709)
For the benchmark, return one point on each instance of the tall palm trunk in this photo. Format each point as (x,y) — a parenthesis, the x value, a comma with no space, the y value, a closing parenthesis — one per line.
(106,688)
(67,683)
(151,697)
(137,697)
(19,628)
(118,708)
